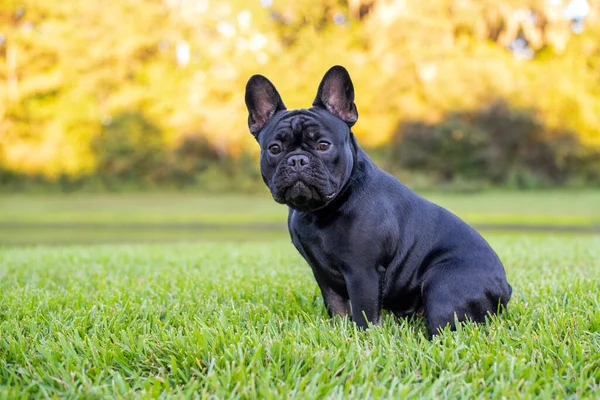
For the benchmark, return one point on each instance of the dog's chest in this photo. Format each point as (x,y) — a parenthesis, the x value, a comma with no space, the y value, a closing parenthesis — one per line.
(319,249)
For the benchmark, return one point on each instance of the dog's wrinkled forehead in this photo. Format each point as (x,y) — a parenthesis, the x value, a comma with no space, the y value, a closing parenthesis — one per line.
(296,126)
(297,123)
(300,123)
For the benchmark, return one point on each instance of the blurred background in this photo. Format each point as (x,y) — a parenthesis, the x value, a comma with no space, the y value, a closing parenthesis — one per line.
(126,116)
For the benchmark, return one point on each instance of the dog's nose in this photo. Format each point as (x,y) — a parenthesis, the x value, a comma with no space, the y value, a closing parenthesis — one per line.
(297,161)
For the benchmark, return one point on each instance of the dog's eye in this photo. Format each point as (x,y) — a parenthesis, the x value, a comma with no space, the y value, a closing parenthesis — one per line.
(275,149)
(323,146)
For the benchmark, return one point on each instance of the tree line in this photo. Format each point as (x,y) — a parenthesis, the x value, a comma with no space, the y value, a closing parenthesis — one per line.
(145,93)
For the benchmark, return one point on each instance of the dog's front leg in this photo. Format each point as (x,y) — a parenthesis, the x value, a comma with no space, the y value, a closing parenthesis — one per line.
(364,289)
(335,303)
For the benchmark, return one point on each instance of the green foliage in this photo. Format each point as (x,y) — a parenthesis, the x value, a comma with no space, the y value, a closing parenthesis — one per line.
(130,152)
(496,144)
(129,148)
(247,320)
(193,155)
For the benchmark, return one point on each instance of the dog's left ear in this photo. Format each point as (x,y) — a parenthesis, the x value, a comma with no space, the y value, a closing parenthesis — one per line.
(336,95)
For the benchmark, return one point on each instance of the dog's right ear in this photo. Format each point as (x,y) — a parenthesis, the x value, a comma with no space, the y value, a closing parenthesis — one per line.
(262,101)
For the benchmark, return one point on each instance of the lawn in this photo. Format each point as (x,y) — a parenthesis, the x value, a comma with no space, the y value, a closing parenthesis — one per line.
(544,207)
(227,319)
(84,218)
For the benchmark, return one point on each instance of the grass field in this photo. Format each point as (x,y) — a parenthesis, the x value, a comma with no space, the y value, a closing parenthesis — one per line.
(245,320)
(546,207)
(86,218)
(213,301)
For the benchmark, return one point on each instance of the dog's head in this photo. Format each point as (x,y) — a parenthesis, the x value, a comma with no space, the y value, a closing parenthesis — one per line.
(307,155)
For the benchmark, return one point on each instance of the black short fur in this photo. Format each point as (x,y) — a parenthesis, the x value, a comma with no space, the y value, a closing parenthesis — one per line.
(371,242)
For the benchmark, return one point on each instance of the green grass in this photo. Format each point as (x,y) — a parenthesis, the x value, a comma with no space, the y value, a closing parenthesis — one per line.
(85,218)
(231,320)
(547,207)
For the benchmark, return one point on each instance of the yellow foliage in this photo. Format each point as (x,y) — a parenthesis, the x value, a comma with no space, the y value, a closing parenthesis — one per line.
(67,67)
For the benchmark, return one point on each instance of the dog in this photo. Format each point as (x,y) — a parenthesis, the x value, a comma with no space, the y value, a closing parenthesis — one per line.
(372,243)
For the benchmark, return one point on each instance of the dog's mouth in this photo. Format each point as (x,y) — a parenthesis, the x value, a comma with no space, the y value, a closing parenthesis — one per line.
(304,197)
(299,194)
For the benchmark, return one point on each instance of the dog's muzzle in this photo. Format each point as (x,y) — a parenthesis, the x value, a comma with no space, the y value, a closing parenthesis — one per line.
(302,183)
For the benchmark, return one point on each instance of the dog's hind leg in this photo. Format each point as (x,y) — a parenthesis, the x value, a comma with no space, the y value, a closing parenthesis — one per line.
(456,292)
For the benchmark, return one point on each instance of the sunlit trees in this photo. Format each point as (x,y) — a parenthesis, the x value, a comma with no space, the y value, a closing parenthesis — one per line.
(68,68)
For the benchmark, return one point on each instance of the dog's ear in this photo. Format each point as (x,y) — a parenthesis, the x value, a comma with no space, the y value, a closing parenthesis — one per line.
(336,95)
(262,101)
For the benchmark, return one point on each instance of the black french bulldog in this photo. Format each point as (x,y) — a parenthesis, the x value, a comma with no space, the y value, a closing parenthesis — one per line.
(371,242)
